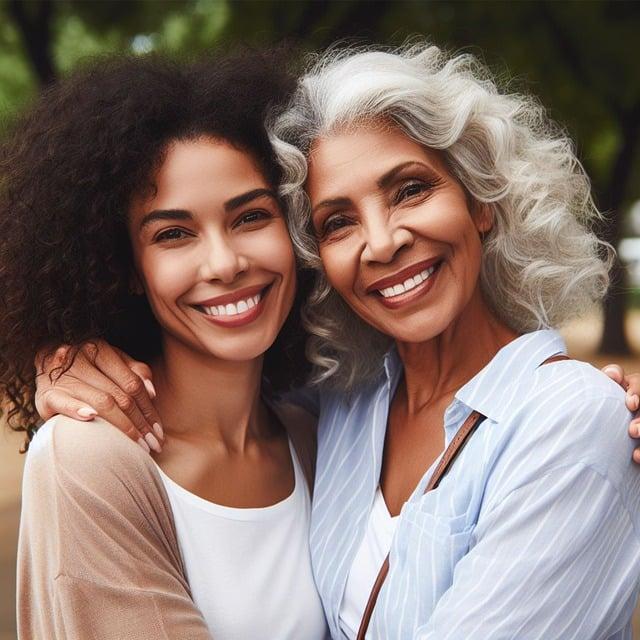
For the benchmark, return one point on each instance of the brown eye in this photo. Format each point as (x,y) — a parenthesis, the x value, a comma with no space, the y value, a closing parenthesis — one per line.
(251,217)
(169,235)
(333,223)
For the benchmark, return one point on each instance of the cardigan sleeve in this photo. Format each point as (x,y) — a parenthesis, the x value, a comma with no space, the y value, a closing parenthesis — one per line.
(97,553)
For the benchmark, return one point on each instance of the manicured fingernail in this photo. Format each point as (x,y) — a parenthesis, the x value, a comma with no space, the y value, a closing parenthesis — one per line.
(87,412)
(157,429)
(144,445)
(151,390)
(634,402)
(153,442)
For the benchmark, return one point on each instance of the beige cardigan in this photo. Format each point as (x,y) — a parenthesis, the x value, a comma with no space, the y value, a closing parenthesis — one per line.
(97,555)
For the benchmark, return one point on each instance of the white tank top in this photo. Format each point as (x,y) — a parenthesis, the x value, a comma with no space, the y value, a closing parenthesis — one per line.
(250,569)
(367,562)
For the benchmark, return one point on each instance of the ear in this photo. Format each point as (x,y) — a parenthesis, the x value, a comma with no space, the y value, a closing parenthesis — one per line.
(483,217)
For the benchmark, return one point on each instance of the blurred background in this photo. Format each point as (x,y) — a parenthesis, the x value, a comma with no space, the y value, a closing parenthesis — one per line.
(579,57)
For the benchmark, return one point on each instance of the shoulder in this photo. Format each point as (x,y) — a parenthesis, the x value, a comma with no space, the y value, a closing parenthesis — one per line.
(569,413)
(92,454)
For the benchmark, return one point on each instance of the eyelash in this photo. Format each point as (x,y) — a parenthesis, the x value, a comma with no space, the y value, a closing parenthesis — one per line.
(424,187)
(248,218)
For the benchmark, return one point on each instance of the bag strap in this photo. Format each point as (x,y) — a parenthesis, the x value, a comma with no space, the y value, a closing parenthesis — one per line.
(451,453)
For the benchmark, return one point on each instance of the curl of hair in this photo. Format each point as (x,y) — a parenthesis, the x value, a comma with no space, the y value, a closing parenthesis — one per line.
(542,262)
(68,172)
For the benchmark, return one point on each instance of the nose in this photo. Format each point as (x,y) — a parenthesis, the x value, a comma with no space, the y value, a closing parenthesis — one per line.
(383,239)
(221,260)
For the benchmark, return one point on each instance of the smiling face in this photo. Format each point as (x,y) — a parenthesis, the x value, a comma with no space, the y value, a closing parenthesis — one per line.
(212,251)
(396,236)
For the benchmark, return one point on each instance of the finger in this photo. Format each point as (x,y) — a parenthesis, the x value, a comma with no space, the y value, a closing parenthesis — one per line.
(615,372)
(55,401)
(59,401)
(125,385)
(632,382)
(636,455)
(632,401)
(141,369)
(107,407)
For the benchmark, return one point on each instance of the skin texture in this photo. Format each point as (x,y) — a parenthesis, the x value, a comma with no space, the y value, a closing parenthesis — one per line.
(389,238)
(200,237)
(384,208)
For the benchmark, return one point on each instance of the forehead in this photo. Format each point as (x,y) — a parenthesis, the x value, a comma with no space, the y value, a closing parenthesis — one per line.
(361,155)
(197,172)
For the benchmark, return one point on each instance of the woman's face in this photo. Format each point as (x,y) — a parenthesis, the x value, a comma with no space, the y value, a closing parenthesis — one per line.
(212,251)
(396,236)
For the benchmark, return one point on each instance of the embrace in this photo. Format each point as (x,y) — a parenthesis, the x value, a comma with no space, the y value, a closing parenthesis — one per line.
(295,343)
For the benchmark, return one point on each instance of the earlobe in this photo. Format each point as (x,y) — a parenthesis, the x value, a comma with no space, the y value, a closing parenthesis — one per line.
(484,218)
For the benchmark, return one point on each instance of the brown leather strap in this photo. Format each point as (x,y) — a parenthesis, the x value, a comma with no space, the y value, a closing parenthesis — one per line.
(451,453)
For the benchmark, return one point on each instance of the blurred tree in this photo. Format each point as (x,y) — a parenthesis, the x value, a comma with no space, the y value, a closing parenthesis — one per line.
(577,57)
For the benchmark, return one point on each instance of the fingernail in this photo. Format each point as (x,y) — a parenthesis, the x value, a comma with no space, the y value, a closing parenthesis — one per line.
(144,445)
(153,442)
(634,400)
(157,429)
(151,390)
(87,412)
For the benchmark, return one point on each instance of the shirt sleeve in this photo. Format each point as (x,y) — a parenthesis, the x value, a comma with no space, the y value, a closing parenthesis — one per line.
(555,558)
(97,554)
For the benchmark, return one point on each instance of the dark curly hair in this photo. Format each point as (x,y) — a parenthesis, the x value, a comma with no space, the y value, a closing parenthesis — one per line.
(68,172)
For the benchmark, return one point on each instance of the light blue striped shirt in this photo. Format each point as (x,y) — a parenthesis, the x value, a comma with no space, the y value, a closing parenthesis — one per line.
(532,534)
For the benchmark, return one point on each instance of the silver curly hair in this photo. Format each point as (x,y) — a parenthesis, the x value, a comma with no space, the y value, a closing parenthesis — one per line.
(542,262)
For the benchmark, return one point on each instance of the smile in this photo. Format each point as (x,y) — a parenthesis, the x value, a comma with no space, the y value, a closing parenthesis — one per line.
(235,309)
(404,287)
(231,309)
(407,285)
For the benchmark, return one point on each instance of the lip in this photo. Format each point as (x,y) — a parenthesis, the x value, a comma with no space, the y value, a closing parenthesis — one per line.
(410,296)
(240,319)
(234,296)
(401,276)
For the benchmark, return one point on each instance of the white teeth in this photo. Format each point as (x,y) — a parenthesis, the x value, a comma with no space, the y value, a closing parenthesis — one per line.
(232,309)
(408,284)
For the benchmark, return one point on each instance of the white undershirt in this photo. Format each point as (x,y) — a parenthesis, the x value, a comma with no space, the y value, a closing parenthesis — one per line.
(367,562)
(250,569)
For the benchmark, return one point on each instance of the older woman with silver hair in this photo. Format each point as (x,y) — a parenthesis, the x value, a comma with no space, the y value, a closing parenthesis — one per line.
(450,227)
(472,481)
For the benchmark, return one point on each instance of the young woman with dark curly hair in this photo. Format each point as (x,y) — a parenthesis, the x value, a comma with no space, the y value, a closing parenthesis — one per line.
(139,205)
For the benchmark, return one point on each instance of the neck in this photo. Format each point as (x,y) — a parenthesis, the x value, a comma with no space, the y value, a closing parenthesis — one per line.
(203,398)
(434,370)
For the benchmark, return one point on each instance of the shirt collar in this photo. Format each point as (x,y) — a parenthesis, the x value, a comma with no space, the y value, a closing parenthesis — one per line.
(489,391)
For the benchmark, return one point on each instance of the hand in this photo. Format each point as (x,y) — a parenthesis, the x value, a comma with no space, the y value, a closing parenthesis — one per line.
(101,381)
(631,384)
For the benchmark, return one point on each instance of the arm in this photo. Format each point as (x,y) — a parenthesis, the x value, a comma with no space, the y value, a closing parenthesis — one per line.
(97,554)
(557,556)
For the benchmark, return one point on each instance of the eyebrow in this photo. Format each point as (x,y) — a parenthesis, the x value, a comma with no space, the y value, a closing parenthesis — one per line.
(165,214)
(229,205)
(244,198)
(383,183)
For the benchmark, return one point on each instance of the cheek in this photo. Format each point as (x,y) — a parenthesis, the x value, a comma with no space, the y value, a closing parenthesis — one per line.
(166,275)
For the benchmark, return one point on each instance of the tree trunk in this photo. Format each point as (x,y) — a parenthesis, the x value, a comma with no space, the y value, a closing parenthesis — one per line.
(614,340)
(34,23)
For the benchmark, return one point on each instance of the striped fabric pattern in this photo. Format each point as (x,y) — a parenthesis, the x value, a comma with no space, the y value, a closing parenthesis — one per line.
(532,534)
